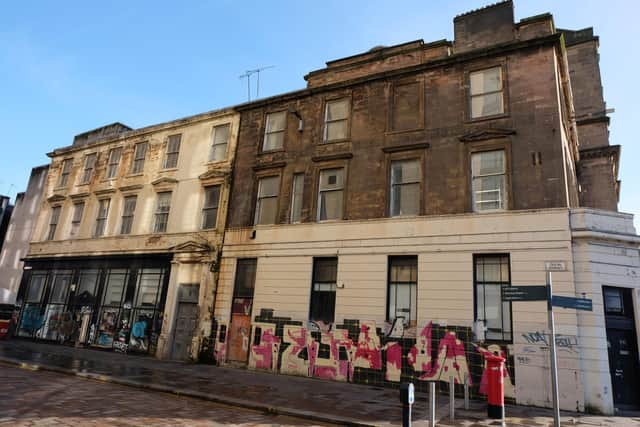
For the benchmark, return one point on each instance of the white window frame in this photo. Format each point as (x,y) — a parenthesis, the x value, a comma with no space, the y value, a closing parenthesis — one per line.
(128,217)
(101,220)
(207,208)
(503,200)
(268,131)
(345,119)
(404,183)
(89,167)
(212,153)
(172,151)
(114,162)
(321,191)
(297,195)
(139,157)
(160,212)
(54,219)
(260,197)
(76,218)
(479,94)
(65,171)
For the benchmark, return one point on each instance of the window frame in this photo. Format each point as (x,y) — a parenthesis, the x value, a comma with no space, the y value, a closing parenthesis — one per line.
(257,198)
(206,208)
(477,256)
(129,218)
(54,220)
(103,224)
(265,133)
(213,144)
(157,213)
(478,150)
(347,120)
(172,154)
(313,283)
(135,160)
(296,197)
(319,192)
(84,179)
(411,157)
(504,89)
(74,231)
(63,178)
(113,164)
(390,259)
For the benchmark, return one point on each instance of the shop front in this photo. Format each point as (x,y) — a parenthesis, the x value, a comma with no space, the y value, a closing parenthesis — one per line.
(113,303)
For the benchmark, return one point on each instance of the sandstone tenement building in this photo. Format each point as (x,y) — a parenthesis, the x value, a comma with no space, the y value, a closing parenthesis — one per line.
(362,229)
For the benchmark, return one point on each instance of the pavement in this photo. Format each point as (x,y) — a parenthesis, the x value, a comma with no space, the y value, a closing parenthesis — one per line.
(49,399)
(307,398)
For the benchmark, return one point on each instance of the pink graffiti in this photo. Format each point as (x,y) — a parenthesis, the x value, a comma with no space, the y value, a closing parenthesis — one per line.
(368,352)
(333,368)
(266,350)
(451,360)
(394,362)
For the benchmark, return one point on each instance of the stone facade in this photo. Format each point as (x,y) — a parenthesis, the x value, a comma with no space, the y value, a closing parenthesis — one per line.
(134,226)
(19,233)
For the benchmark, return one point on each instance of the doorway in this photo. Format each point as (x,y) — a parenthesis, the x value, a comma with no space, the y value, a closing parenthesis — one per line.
(622,344)
(240,329)
(186,321)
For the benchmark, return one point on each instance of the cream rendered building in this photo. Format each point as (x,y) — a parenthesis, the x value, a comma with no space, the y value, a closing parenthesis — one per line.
(125,250)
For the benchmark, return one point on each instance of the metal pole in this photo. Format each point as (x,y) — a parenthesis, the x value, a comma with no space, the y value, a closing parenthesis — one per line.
(248,86)
(452,397)
(432,404)
(552,347)
(466,392)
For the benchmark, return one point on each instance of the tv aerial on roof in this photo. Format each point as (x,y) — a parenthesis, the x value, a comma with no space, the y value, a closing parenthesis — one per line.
(247,75)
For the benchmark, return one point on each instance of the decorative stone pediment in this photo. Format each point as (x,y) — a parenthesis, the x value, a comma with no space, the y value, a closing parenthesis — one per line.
(55,198)
(126,188)
(165,180)
(485,134)
(105,191)
(82,195)
(190,246)
(215,173)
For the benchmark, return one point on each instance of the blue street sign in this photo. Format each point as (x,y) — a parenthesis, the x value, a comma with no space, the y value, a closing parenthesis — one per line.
(571,302)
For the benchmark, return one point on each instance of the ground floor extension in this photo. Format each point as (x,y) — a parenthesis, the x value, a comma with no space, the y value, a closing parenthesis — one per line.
(383,301)
(154,304)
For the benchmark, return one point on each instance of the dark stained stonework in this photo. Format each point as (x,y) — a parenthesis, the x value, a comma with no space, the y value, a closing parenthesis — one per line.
(538,117)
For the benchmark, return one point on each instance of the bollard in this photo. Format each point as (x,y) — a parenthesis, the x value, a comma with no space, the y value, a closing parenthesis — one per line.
(432,404)
(495,383)
(452,398)
(466,392)
(407,397)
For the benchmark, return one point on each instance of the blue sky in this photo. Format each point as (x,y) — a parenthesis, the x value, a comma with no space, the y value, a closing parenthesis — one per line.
(67,67)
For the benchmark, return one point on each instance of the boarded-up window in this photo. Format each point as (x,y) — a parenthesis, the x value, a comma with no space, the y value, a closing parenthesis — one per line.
(64,174)
(407,107)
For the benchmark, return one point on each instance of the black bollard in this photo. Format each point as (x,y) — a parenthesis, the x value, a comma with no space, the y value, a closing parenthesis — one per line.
(407,398)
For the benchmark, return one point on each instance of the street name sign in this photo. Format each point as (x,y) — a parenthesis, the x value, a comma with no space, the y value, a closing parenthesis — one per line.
(524,293)
(572,302)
